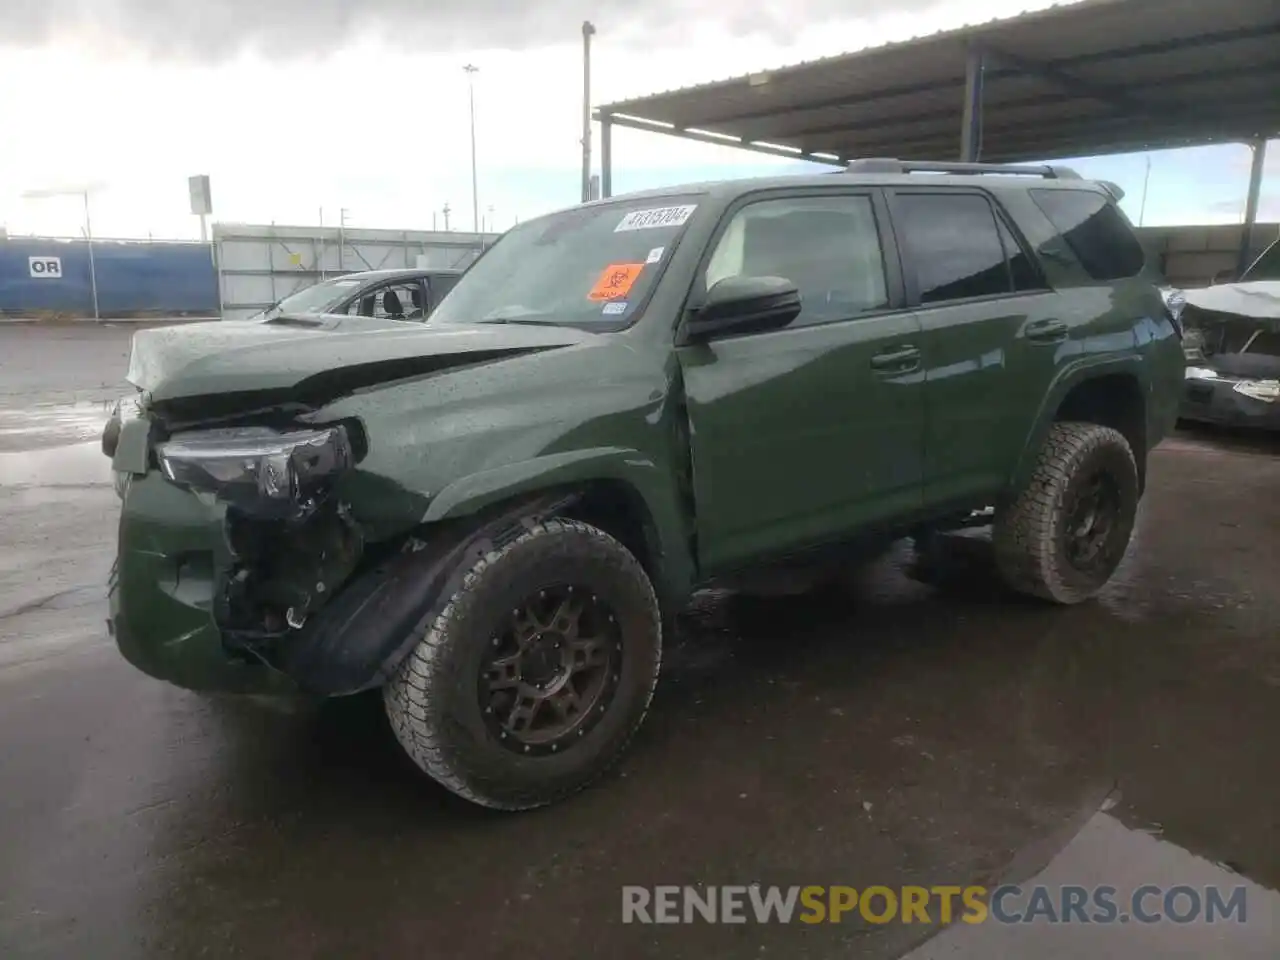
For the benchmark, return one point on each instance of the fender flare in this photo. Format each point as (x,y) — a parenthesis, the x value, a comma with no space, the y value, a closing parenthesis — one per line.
(358,641)
(1079,371)
(651,482)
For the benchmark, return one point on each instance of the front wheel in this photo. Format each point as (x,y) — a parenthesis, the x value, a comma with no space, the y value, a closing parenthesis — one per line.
(1066,533)
(535,673)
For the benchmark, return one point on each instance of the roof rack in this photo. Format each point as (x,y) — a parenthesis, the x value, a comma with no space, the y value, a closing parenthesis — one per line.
(888,165)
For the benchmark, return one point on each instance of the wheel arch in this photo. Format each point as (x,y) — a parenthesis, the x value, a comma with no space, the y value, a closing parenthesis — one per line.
(622,491)
(1111,393)
(359,639)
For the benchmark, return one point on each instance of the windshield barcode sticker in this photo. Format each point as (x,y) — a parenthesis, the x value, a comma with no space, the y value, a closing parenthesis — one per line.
(657,217)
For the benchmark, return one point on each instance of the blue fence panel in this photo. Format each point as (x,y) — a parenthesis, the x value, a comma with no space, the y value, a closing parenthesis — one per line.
(134,279)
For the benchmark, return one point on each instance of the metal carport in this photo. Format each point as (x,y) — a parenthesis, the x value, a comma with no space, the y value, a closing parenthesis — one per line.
(1093,78)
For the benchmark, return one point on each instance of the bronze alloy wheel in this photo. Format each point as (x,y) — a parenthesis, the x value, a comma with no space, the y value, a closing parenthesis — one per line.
(551,670)
(535,672)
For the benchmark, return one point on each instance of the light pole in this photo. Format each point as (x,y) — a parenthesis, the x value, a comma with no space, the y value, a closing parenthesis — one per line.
(588,31)
(1146,183)
(82,192)
(342,237)
(471,71)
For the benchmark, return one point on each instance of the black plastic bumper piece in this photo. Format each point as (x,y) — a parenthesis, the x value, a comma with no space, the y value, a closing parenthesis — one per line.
(357,641)
(1217,402)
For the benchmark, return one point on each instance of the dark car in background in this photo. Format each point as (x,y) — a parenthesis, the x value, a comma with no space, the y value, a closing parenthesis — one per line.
(382,294)
(1233,355)
(1232,346)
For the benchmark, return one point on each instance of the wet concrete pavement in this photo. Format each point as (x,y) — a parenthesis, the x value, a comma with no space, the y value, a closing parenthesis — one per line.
(889,733)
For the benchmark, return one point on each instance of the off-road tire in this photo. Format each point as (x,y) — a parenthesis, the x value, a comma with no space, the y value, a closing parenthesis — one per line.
(1030,536)
(431,700)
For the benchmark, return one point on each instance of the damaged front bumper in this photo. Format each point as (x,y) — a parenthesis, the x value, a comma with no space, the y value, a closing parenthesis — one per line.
(162,593)
(212,593)
(228,541)
(1220,400)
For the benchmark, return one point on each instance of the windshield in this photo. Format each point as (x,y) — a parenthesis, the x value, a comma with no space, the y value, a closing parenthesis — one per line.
(589,266)
(317,299)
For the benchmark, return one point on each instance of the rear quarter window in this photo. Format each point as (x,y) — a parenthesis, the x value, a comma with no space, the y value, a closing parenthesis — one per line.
(1095,231)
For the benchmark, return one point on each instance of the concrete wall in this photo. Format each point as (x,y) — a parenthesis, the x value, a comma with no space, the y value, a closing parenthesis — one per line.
(1193,256)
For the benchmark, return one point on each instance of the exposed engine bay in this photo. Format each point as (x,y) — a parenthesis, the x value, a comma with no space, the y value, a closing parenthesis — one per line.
(285,570)
(290,539)
(1232,346)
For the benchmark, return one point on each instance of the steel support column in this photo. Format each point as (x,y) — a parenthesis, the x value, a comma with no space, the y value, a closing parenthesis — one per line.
(588,31)
(606,156)
(971,134)
(1259,148)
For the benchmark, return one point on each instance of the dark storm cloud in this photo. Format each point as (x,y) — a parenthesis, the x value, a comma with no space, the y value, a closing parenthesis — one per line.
(214,29)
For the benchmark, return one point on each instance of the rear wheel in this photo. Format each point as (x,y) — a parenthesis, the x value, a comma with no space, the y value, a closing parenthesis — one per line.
(1068,530)
(535,673)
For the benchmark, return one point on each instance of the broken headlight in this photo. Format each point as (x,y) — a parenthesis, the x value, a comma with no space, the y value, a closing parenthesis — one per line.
(257,468)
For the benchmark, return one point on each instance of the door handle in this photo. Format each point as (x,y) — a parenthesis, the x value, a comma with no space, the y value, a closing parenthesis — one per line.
(1047,331)
(899,360)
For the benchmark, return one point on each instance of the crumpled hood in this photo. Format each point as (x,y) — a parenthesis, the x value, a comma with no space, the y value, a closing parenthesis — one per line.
(1258,300)
(223,357)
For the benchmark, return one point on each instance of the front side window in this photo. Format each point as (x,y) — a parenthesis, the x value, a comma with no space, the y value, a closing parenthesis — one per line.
(829,247)
(588,266)
(394,301)
(1095,232)
(400,301)
(953,244)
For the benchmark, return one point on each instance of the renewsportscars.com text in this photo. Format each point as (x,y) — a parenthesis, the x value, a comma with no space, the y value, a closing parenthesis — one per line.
(932,905)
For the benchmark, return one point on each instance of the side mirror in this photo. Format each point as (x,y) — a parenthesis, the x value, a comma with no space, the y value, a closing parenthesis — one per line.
(744,305)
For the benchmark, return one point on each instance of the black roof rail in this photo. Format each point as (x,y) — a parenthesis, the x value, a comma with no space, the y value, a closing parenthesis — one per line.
(888,165)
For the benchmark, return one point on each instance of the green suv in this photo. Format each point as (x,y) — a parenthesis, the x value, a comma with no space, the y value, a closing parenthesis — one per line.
(494,516)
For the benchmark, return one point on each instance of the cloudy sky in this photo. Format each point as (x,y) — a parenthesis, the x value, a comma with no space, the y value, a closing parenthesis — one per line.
(295,107)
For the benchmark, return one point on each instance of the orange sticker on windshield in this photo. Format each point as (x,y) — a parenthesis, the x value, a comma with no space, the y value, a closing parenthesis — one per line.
(615,281)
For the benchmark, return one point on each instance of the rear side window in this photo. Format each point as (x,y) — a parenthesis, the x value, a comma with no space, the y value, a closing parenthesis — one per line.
(1095,231)
(954,243)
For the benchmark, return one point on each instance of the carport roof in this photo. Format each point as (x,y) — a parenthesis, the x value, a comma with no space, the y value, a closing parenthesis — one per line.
(1086,79)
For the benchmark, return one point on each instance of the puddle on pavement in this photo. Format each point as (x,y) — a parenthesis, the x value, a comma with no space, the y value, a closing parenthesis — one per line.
(79,465)
(54,445)
(41,427)
(1109,858)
